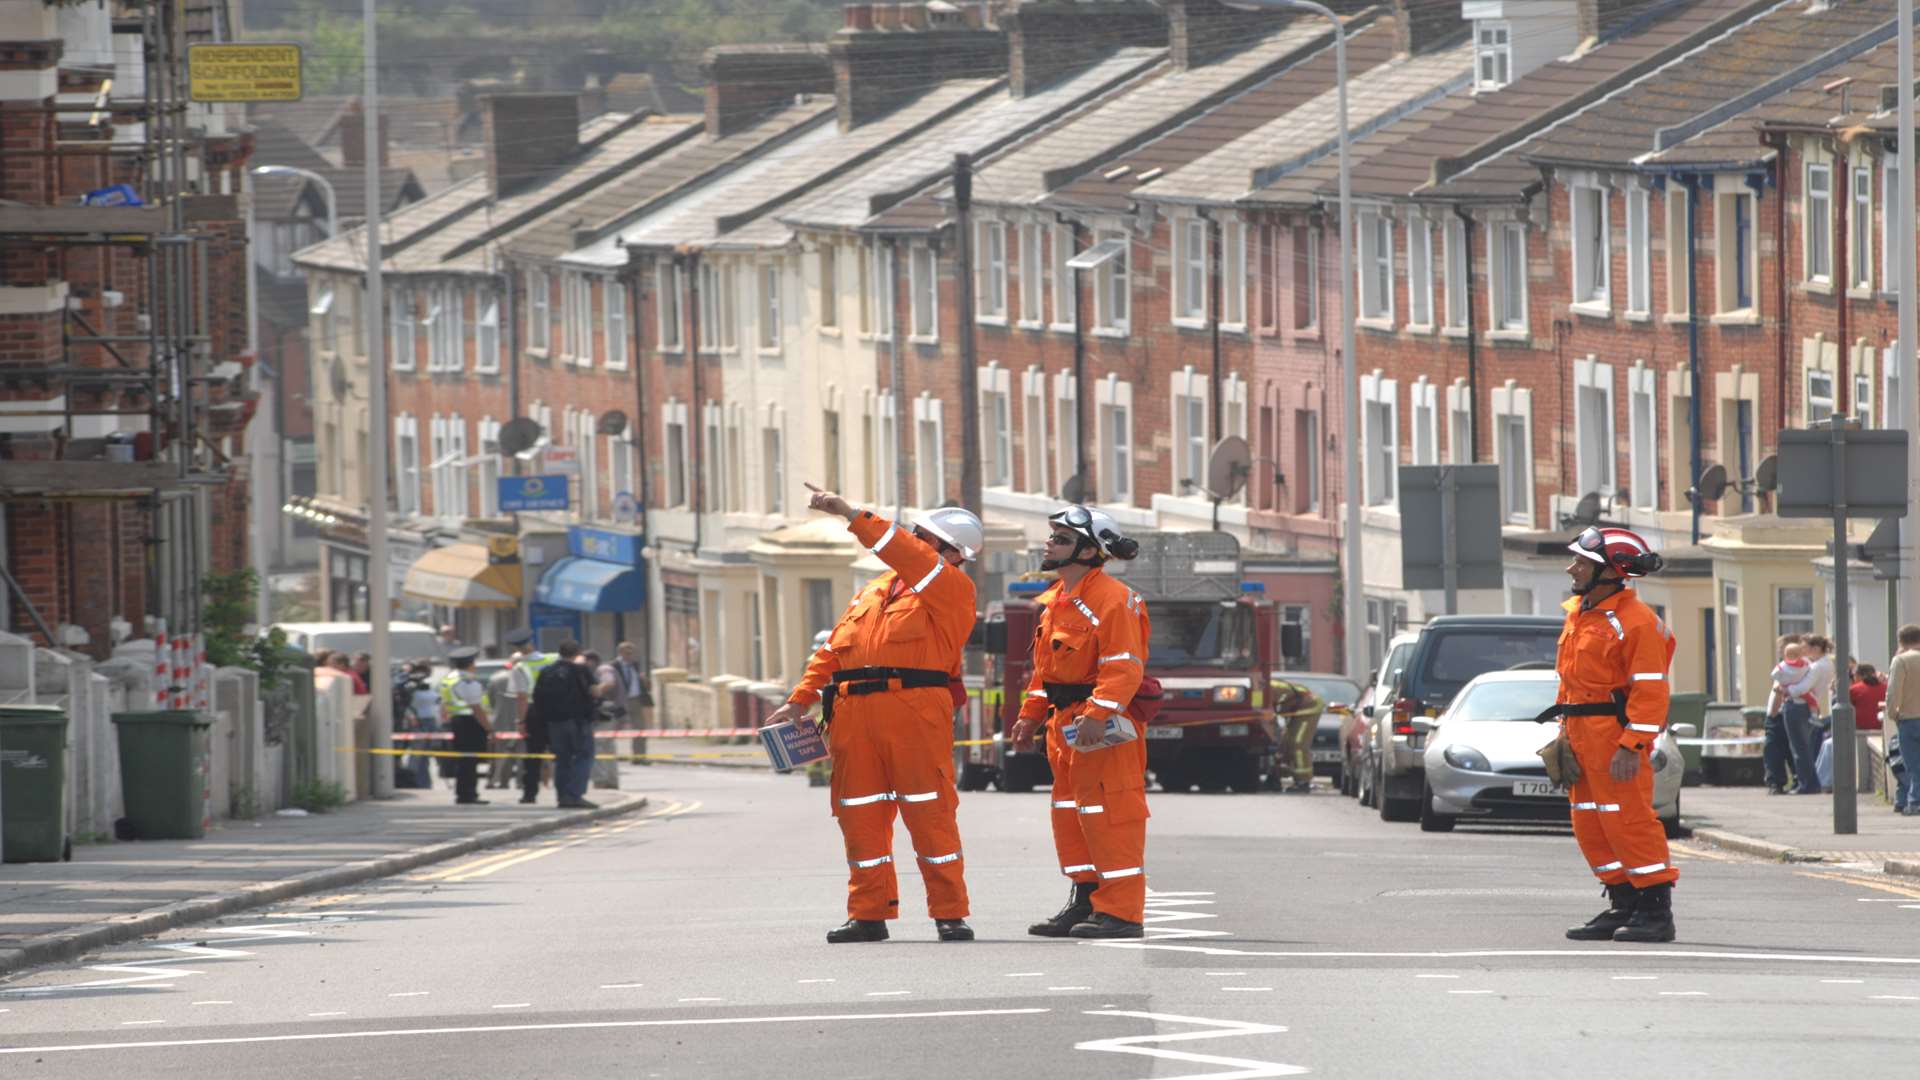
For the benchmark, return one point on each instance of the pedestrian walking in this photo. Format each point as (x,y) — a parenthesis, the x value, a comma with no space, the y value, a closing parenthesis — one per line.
(1089,657)
(1613,658)
(563,704)
(423,713)
(605,772)
(630,703)
(1903,714)
(527,666)
(885,678)
(462,700)
(1796,677)
(1777,749)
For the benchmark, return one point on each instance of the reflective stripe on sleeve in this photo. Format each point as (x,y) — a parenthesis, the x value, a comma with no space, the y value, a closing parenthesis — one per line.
(885,538)
(1650,868)
(1064,804)
(864,800)
(920,796)
(1083,868)
(1037,693)
(1614,621)
(868,864)
(1649,676)
(931,574)
(1093,809)
(1131,871)
(936,860)
(1119,656)
(1653,729)
(1105,704)
(1087,611)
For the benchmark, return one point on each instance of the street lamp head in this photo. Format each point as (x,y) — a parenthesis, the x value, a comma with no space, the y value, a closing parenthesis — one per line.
(273,170)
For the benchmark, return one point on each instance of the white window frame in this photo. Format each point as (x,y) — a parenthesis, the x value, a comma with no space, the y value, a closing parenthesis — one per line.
(615,307)
(435,324)
(1458,295)
(773,461)
(676,488)
(1034,407)
(620,471)
(539,310)
(668,300)
(1731,271)
(400,329)
(1512,405)
(1864,398)
(1643,442)
(1424,399)
(996,426)
(1233,421)
(1374,264)
(1459,422)
(1891,409)
(325,321)
(1860,228)
(880,263)
(583,433)
(1061,248)
(712,470)
(1190,276)
(1114,419)
(1591,231)
(929,432)
(1308,473)
(459,501)
(1492,54)
(1032,287)
(486,349)
(1816,222)
(1188,394)
(769,283)
(923,277)
(1505,323)
(827,262)
(1066,428)
(1889,223)
(1595,467)
(1113,289)
(990,272)
(487,462)
(1420,274)
(1817,404)
(406,460)
(577,316)
(1674,201)
(1379,439)
(1639,252)
(1304,241)
(438,465)
(1233,277)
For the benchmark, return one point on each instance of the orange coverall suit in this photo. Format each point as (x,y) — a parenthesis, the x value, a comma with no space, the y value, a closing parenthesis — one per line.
(1619,645)
(892,745)
(1095,634)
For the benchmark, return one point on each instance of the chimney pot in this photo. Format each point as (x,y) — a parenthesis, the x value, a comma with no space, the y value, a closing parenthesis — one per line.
(858,16)
(913,16)
(886,16)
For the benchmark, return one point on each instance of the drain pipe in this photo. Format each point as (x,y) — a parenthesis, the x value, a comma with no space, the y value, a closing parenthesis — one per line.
(1473,339)
(1693,344)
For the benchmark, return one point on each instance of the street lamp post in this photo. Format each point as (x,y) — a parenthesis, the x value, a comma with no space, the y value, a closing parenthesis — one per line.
(326,188)
(1353,598)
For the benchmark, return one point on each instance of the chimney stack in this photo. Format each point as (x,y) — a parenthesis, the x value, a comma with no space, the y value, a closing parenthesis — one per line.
(1051,39)
(353,137)
(1420,27)
(746,82)
(876,71)
(1201,31)
(1595,19)
(528,136)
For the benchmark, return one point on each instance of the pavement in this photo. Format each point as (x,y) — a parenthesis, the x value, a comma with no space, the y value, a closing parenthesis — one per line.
(114,892)
(1287,935)
(1799,828)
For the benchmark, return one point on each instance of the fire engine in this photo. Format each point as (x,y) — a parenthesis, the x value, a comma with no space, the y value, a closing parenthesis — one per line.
(1216,646)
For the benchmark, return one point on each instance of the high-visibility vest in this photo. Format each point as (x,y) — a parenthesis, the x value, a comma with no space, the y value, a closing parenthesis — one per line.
(536,664)
(450,704)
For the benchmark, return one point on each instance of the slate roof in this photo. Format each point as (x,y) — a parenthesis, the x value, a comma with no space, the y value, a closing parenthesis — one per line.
(275,198)
(1712,75)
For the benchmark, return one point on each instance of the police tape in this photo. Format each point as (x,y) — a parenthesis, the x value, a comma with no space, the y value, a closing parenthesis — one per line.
(640,733)
(408,751)
(1745,740)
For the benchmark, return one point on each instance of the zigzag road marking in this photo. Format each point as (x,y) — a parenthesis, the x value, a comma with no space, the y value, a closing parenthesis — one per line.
(1164,907)
(146,974)
(1242,1068)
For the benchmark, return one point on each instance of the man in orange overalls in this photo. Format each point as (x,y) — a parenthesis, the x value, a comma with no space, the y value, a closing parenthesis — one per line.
(885,675)
(1613,660)
(1089,655)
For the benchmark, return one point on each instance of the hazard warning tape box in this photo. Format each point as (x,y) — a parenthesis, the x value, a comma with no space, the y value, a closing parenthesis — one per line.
(791,745)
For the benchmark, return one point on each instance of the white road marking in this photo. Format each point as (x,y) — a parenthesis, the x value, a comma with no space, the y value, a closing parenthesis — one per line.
(1843,981)
(196,1003)
(150,974)
(1469,991)
(1894,997)
(1160,907)
(621,986)
(1226,973)
(1683,993)
(327,1014)
(1010,975)
(581,1025)
(803,981)
(1436,976)
(887,993)
(1069,987)
(1635,978)
(1246,1068)
(1518,954)
(411,993)
(1247,989)
(703,999)
(516,1005)
(136,1023)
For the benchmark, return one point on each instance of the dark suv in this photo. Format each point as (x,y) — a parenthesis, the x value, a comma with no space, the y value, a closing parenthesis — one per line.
(1452,651)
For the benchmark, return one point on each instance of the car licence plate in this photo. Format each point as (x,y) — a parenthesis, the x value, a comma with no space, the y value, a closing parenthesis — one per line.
(1326,755)
(1162,731)
(1545,789)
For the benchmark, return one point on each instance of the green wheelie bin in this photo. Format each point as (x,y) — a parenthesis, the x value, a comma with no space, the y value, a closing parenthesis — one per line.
(1689,708)
(33,784)
(163,772)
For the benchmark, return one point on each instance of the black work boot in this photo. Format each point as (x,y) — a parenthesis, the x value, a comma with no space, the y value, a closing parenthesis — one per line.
(1652,918)
(1103,925)
(953,929)
(1621,901)
(857,930)
(1079,907)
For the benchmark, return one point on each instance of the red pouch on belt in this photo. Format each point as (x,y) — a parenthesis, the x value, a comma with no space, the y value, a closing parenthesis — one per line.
(1146,701)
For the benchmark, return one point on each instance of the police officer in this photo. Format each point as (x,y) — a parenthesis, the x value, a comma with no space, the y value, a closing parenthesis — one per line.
(885,675)
(1089,657)
(1613,659)
(462,702)
(526,670)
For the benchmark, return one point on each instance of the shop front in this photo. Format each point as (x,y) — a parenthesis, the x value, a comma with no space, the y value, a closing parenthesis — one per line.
(598,590)
(474,587)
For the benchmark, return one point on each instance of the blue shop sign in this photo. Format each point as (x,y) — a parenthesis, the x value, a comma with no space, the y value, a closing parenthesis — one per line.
(606,545)
(533,493)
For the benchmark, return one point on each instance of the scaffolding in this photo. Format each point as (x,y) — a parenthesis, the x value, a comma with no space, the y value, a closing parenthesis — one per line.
(129,417)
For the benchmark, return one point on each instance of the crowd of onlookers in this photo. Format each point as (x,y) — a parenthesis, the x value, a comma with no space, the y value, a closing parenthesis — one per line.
(1798,748)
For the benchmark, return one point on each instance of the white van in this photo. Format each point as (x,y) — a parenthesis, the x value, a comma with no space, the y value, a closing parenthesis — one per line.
(410,641)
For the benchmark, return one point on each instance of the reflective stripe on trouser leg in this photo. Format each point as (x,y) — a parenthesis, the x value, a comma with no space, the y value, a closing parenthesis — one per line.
(936,838)
(1619,831)
(1069,843)
(1119,851)
(863,803)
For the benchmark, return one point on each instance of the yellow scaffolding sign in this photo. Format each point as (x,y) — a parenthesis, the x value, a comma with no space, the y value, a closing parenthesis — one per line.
(250,71)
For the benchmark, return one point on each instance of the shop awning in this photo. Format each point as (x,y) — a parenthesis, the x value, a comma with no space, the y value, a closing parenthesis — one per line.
(461,576)
(591,585)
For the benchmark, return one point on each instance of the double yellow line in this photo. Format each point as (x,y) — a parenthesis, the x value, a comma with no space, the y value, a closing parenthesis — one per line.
(501,860)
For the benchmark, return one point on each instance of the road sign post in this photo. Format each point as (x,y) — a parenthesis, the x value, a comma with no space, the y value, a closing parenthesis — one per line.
(1842,471)
(1460,504)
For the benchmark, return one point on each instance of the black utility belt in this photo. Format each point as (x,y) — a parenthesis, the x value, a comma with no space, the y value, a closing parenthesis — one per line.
(1067,695)
(1617,708)
(877,680)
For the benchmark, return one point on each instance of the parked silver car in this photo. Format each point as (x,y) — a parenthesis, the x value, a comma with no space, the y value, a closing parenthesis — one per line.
(1481,760)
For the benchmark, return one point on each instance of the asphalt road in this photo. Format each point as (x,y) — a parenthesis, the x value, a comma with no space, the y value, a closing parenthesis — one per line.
(1289,935)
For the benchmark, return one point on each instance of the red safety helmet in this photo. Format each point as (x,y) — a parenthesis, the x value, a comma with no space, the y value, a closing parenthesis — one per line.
(1621,549)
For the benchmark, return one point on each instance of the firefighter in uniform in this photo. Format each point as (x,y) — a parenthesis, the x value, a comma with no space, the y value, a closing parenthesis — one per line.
(1613,660)
(1089,656)
(462,699)
(1299,709)
(884,676)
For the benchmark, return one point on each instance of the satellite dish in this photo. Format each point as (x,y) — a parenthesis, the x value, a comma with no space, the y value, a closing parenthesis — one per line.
(518,435)
(1075,489)
(1713,483)
(1587,510)
(1767,476)
(613,422)
(1228,467)
(337,380)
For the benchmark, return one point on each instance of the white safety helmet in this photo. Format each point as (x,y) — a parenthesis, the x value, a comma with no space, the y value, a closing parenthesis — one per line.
(1099,530)
(957,526)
